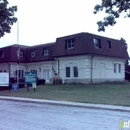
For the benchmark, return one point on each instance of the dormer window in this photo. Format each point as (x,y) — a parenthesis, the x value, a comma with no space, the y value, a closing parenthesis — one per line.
(21,53)
(1,54)
(46,51)
(33,53)
(70,44)
(109,44)
(97,43)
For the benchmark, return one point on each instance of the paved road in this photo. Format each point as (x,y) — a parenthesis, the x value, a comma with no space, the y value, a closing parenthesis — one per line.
(33,116)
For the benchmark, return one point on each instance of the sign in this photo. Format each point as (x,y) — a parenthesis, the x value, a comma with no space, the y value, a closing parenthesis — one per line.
(30,77)
(15,86)
(4,79)
(34,86)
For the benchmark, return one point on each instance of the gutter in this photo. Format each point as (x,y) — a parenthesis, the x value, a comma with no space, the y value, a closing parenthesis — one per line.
(9,76)
(127,72)
(58,65)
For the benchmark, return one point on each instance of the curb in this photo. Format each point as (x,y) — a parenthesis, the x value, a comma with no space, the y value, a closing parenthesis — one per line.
(66,103)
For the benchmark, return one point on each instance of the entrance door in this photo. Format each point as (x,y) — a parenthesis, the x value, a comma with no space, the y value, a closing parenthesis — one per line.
(102,72)
(46,75)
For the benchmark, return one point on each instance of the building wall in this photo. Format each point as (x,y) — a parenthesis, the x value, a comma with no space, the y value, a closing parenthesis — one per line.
(45,69)
(83,64)
(4,67)
(96,69)
(102,69)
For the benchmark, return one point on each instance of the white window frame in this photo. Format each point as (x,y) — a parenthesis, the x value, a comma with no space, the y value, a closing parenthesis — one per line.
(2,54)
(97,43)
(72,72)
(75,71)
(68,72)
(46,51)
(33,53)
(19,73)
(34,71)
(70,43)
(109,44)
(119,67)
(115,67)
(21,53)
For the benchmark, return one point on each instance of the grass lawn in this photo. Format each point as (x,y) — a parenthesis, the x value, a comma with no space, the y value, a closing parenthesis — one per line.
(115,94)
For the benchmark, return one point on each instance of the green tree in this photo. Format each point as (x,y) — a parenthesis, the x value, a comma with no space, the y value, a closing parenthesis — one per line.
(7,18)
(124,41)
(113,8)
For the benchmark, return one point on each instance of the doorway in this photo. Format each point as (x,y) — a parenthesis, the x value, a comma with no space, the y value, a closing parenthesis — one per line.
(46,75)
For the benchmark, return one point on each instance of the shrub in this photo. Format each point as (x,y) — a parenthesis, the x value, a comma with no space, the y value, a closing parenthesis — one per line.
(40,81)
(56,80)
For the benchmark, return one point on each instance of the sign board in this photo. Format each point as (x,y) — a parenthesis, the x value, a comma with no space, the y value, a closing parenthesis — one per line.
(4,79)
(30,77)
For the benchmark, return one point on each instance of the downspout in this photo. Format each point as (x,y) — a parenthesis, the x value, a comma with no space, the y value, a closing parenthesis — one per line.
(9,77)
(92,68)
(58,65)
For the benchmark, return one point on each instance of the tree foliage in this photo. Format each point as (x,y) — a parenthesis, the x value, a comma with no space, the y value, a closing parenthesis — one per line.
(113,8)
(124,41)
(7,18)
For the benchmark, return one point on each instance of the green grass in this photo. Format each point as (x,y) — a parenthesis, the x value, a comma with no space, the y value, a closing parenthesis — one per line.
(115,94)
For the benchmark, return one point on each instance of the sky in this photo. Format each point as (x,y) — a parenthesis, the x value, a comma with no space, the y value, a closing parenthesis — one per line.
(43,21)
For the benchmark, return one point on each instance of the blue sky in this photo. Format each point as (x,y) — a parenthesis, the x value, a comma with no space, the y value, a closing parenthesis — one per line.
(42,21)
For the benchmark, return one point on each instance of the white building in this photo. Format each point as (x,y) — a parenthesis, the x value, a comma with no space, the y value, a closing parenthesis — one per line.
(82,57)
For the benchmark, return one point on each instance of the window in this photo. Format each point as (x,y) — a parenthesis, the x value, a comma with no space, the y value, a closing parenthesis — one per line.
(34,71)
(115,66)
(19,73)
(1,54)
(70,44)
(97,43)
(46,51)
(32,53)
(21,53)
(109,44)
(67,71)
(72,71)
(2,70)
(75,70)
(119,68)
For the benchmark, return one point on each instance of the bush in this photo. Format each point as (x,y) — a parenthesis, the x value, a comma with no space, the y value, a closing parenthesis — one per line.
(56,80)
(40,81)
(14,80)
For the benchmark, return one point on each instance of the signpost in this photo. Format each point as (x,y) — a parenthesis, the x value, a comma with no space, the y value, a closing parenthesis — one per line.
(31,78)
